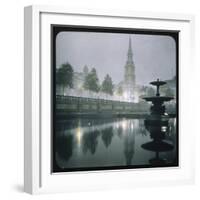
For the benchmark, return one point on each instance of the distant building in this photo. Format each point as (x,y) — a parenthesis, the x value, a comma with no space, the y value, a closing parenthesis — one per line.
(129,83)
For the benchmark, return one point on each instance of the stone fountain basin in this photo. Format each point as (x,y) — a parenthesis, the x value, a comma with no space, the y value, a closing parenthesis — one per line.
(160,146)
(158,83)
(158,98)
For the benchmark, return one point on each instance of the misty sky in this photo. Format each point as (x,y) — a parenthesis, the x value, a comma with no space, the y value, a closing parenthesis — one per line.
(153,55)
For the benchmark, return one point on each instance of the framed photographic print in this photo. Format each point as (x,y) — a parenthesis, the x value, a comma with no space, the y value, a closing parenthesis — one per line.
(105,97)
(101,116)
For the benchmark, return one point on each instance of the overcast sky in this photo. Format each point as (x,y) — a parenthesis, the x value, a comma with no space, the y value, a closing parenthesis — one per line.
(153,55)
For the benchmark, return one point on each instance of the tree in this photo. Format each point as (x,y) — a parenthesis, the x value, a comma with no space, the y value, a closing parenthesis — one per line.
(107,85)
(64,76)
(85,70)
(91,81)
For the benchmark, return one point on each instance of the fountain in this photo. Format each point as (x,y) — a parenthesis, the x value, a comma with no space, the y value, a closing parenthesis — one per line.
(158,111)
(157,125)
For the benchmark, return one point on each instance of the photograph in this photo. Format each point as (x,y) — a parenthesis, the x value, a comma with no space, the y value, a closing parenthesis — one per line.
(114,98)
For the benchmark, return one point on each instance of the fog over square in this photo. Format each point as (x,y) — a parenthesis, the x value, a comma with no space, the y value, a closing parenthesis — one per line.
(154,55)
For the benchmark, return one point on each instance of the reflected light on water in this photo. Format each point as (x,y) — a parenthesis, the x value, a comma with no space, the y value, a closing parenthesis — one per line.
(163,128)
(124,124)
(132,126)
(79,135)
(174,122)
(117,125)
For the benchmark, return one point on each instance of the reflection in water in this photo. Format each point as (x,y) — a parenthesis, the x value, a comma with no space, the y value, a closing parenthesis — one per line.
(129,147)
(61,143)
(158,128)
(90,142)
(85,143)
(107,135)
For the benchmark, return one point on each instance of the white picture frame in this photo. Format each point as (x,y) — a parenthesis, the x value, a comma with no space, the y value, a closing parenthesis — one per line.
(37,132)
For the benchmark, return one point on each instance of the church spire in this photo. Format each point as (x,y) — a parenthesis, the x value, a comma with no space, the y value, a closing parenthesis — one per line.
(129,86)
(130,47)
(130,53)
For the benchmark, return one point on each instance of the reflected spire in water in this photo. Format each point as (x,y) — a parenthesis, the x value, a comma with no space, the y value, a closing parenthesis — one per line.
(129,148)
(129,142)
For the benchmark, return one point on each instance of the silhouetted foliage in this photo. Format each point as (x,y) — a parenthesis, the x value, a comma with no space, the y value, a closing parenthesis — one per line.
(91,81)
(107,85)
(85,70)
(64,76)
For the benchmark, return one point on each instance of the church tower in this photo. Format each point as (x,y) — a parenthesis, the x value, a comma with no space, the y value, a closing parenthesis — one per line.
(129,75)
